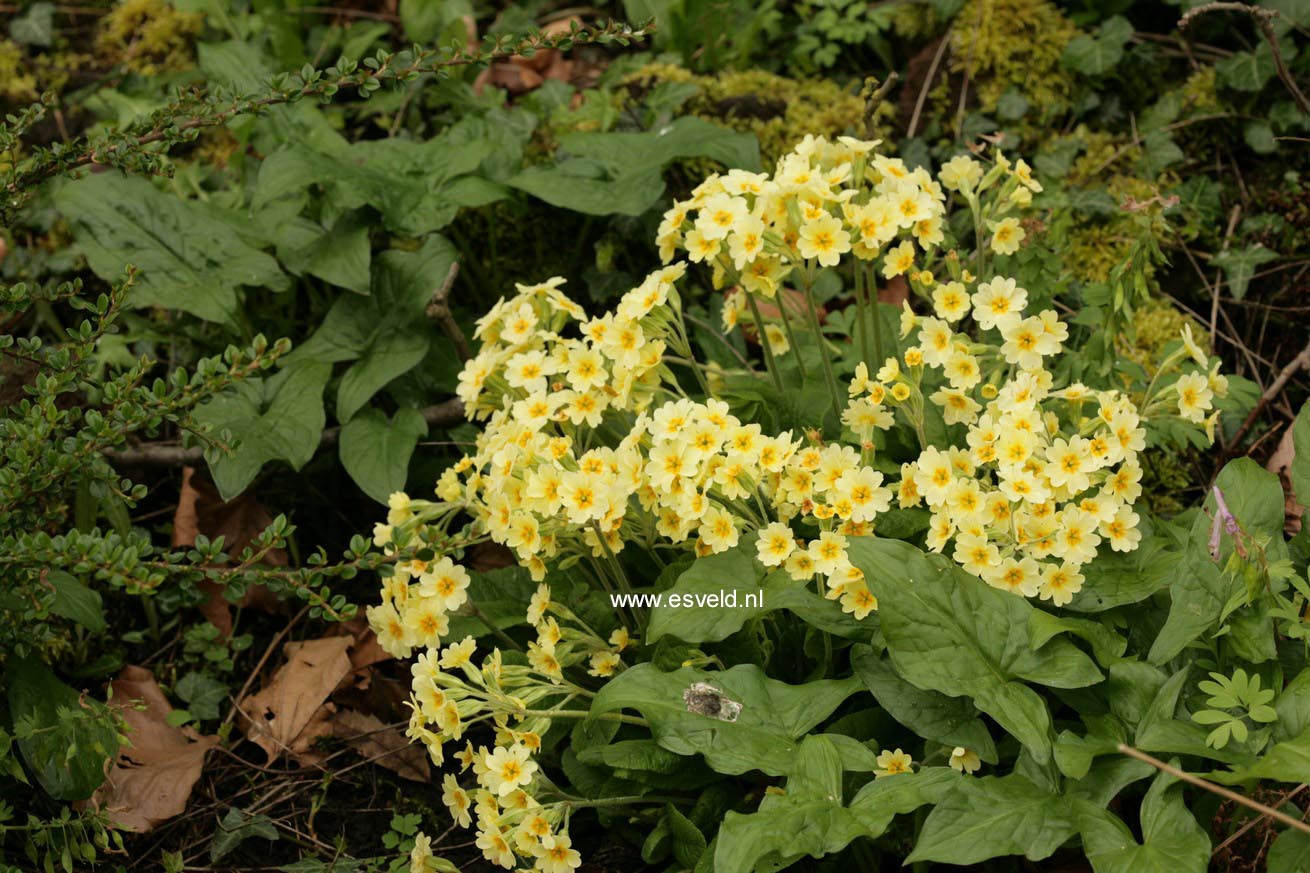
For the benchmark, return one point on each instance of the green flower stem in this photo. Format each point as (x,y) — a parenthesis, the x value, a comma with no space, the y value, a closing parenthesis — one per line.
(791,336)
(871,290)
(862,312)
(764,341)
(823,344)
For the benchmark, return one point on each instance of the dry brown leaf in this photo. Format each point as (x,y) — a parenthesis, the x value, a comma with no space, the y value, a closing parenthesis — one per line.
(275,716)
(201,511)
(385,746)
(302,748)
(151,779)
(895,292)
(1280,464)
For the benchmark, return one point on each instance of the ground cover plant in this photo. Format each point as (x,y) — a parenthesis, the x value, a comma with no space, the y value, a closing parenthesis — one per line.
(447,436)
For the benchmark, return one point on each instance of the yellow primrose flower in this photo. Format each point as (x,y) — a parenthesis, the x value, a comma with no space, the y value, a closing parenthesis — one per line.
(891,763)
(1007,234)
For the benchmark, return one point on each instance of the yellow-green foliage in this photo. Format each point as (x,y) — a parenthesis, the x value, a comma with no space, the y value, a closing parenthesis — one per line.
(16,80)
(1156,325)
(1013,43)
(778,110)
(149,36)
(1097,246)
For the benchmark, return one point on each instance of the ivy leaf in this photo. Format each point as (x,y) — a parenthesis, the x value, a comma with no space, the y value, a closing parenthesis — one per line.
(190,256)
(278,418)
(764,735)
(950,632)
(376,452)
(386,358)
(1240,265)
(35,26)
(990,816)
(1247,71)
(237,827)
(71,739)
(1098,55)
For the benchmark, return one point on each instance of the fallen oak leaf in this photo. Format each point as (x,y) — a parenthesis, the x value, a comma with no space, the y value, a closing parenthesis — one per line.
(1280,464)
(384,745)
(200,510)
(275,716)
(152,777)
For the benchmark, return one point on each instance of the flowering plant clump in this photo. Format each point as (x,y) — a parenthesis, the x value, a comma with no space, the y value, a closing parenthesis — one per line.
(610,455)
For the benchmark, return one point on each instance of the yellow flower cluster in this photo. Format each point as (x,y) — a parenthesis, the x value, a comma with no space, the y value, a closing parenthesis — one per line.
(591,446)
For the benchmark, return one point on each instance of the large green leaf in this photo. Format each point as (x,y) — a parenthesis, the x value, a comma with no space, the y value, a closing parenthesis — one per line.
(1172,841)
(1200,590)
(609,173)
(418,187)
(1288,761)
(951,721)
(808,820)
(76,602)
(1161,730)
(736,576)
(65,740)
(278,418)
(191,257)
(1299,473)
(950,632)
(338,254)
(1118,578)
(765,732)
(376,452)
(385,333)
(991,816)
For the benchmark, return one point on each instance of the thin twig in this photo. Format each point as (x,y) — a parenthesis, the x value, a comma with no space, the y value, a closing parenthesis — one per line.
(927,86)
(1214,300)
(1263,20)
(156,455)
(1213,788)
(1302,360)
(1237,835)
(439,311)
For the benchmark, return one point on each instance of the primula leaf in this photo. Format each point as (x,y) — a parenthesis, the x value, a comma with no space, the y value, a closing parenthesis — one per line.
(988,817)
(773,715)
(950,632)
(736,575)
